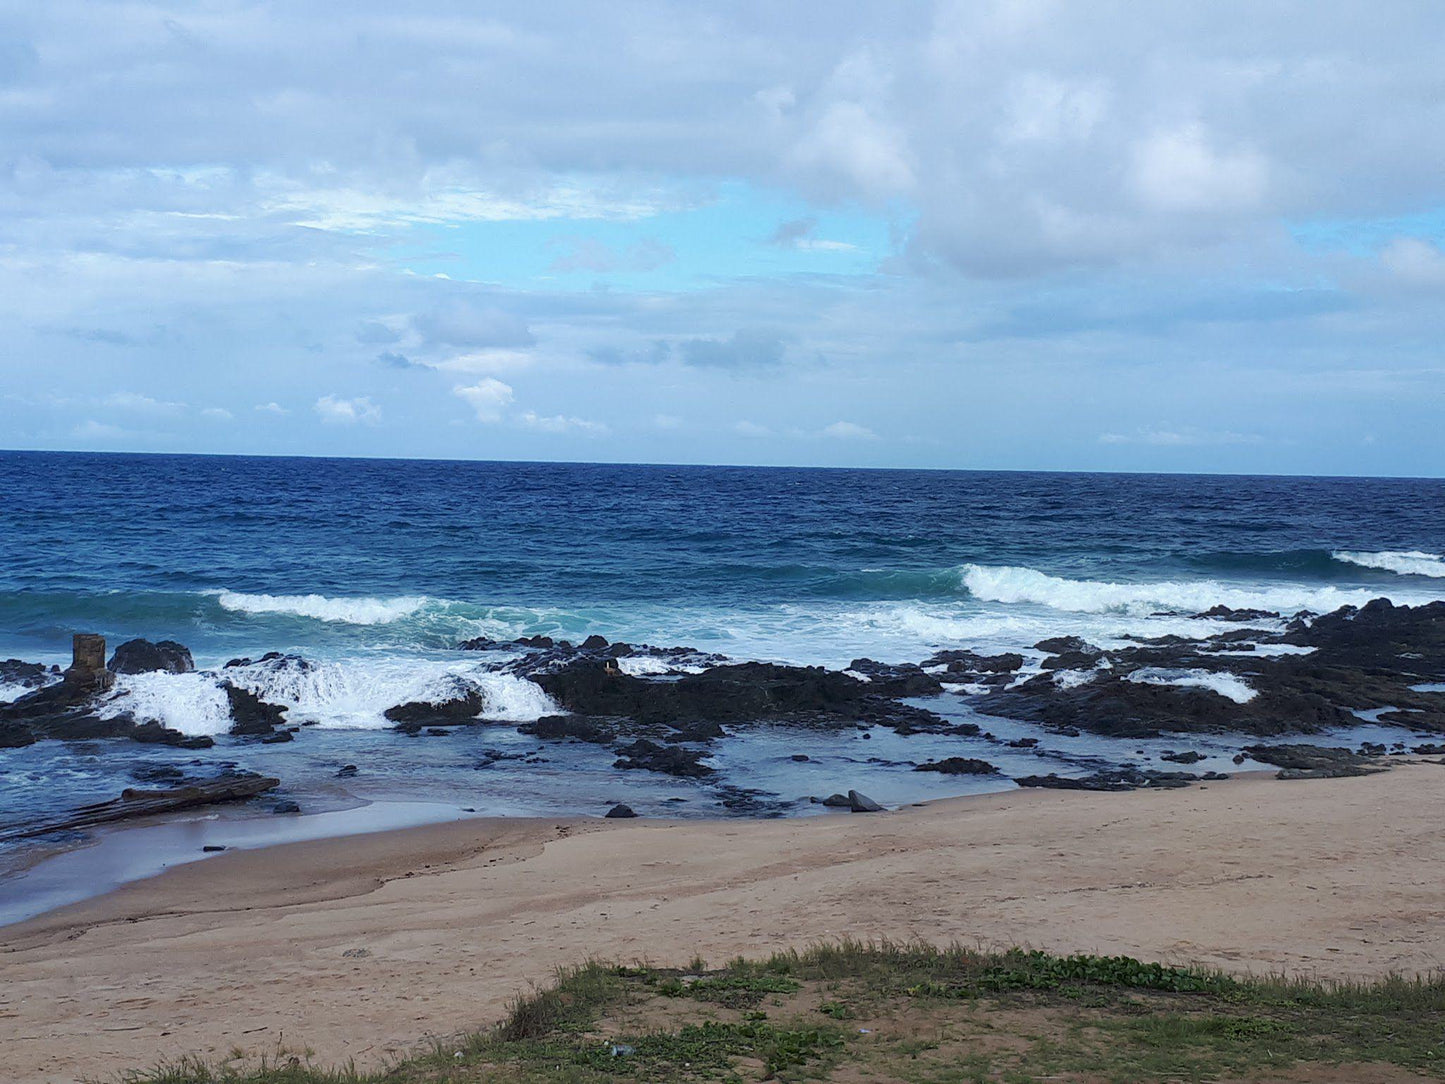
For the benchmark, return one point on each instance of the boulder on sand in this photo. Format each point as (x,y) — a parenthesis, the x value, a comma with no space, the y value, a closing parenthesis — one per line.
(861,803)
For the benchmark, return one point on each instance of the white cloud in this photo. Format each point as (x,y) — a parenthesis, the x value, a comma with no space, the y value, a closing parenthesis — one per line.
(559,423)
(1180,170)
(142,404)
(847,431)
(485,361)
(1415,261)
(90,429)
(667,421)
(271,408)
(488,397)
(334,410)
(1180,438)
(219,414)
(751,429)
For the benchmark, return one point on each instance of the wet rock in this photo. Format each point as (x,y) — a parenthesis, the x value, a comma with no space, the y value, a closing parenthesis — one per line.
(346,771)
(1429,749)
(1188,756)
(277,737)
(861,803)
(28,675)
(594,643)
(1312,761)
(250,715)
(578,727)
(1224,613)
(1114,779)
(286,807)
(143,657)
(669,759)
(896,679)
(958,766)
(836,801)
(619,812)
(456,710)
(971,662)
(1023,743)
(534,641)
(15,735)
(479,643)
(213,848)
(800,758)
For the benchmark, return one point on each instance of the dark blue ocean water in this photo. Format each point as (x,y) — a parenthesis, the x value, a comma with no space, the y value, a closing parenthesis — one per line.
(241,555)
(374,570)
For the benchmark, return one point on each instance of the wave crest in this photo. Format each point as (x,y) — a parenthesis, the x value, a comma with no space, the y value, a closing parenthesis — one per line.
(1402,562)
(1013,584)
(352,611)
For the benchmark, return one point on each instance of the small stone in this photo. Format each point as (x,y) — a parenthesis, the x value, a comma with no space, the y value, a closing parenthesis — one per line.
(356,953)
(285,807)
(212,848)
(347,771)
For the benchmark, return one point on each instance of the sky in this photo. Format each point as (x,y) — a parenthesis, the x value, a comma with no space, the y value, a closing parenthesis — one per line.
(999,234)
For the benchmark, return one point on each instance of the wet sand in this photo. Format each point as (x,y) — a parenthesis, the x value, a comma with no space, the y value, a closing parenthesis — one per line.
(360,947)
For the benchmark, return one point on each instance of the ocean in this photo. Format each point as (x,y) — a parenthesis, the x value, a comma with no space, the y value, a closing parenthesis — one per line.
(374,570)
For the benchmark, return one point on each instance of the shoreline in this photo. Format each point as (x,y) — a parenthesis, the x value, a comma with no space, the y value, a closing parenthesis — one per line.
(443,923)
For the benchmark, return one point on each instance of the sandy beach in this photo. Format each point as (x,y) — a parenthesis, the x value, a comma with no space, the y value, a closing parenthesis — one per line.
(357,948)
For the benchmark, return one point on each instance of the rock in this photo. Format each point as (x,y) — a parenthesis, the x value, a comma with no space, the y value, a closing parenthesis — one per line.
(250,715)
(837,801)
(213,848)
(896,679)
(1224,613)
(28,675)
(1110,780)
(1430,749)
(143,657)
(453,711)
(958,766)
(577,727)
(1189,756)
(286,807)
(346,771)
(479,643)
(970,662)
(800,758)
(861,803)
(15,735)
(534,641)
(1066,645)
(619,812)
(594,643)
(648,755)
(277,737)
(1312,761)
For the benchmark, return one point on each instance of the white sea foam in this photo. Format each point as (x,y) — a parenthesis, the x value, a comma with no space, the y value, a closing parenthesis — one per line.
(1404,562)
(345,694)
(352,611)
(1072,679)
(1229,685)
(192,703)
(651,666)
(14,690)
(1012,584)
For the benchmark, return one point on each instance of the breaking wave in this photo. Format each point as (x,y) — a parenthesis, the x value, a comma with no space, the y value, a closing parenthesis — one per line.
(352,611)
(1403,562)
(1011,584)
(1227,685)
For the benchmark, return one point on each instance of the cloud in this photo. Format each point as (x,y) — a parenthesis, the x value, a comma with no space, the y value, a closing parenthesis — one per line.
(461,324)
(217,414)
(1415,261)
(667,421)
(377,333)
(848,431)
(797,233)
(1180,438)
(393,360)
(746,348)
(485,361)
(143,404)
(271,408)
(559,423)
(751,429)
(1179,170)
(90,429)
(488,397)
(334,410)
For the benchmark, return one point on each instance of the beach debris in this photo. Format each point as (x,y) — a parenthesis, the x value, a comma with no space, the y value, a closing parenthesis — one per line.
(358,954)
(141,803)
(619,812)
(861,803)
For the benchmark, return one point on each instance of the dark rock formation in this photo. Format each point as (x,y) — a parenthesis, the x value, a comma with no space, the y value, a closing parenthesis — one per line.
(1313,761)
(143,657)
(896,679)
(1126,778)
(1188,756)
(457,710)
(250,715)
(578,727)
(619,812)
(958,766)
(861,803)
(669,759)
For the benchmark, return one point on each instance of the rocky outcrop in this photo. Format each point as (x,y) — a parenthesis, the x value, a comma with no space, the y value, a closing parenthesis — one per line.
(958,766)
(142,657)
(455,710)
(1313,761)
(669,759)
(577,727)
(250,715)
(1126,778)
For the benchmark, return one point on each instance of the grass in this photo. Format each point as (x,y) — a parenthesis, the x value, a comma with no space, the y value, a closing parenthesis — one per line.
(910,1013)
